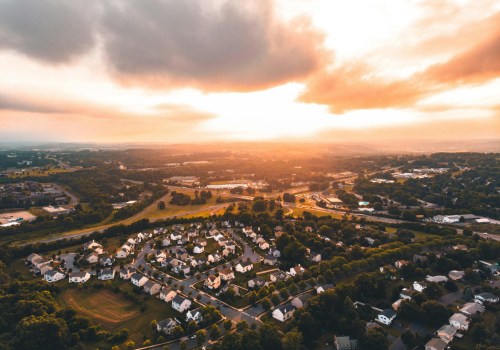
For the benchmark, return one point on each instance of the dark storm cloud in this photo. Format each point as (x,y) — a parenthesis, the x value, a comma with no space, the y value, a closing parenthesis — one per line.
(53,31)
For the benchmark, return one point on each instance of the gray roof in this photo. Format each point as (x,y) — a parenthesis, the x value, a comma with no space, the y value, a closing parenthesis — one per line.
(389,313)
(52,273)
(286,308)
(178,299)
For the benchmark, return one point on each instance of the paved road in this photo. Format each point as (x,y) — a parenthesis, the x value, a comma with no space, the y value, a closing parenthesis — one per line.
(249,315)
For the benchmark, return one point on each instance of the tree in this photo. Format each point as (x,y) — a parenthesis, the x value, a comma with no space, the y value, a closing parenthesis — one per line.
(183,345)
(214,332)
(266,304)
(161,205)
(39,332)
(270,337)
(408,338)
(227,325)
(259,205)
(292,340)
(201,336)
(478,332)
(435,313)
(241,326)
(374,339)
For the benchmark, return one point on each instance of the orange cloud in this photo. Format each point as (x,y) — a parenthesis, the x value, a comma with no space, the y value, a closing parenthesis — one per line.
(356,85)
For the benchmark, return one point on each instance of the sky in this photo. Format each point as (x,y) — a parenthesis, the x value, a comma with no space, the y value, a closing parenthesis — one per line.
(196,71)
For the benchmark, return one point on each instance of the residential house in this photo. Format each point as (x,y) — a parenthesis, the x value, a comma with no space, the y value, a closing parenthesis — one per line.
(79,277)
(314,257)
(487,297)
(194,315)
(167,326)
(455,275)
(419,286)
(436,279)
(283,312)
(198,249)
(396,304)
(472,309)
(460,247)
(212,282)
(276,276)
(107,274)
(167,295)
(436,344)
(400,263)
(151,287)
(300,301)
(138,280)
(106,261)
(165,242)
(345,343)
(323,288)
(123,252)
(228,250)
(275,252)
(264,245)
(296,270)
(52,276)
(180,303)
(244,267)
(92,258)
(126,273)
(387,316)
(406,293)
(226,274)
(459,321)
(247,231)
(92,245)
(270,259)
(33,257)
(446,333)
(256,282)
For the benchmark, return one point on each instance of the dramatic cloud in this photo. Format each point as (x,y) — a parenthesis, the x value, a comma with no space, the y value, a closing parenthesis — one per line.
(211,45)
(232,46)
(479,64)
(354,86)
(54,31)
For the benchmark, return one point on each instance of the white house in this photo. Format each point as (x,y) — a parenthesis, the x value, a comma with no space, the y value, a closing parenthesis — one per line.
(419,286)
(459,321)
(91,245)
(138,279)
(264,245)
(284,312)
(456,275)
(436,279)
(194,315)
(165,242)
(180,303)
(123,252)
(52,276)
(166,326)
(244,267)
(296,270)
(79,277)
(198,249)
(386,317)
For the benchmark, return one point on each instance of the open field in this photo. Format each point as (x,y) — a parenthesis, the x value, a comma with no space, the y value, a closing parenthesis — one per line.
(37,172)
(104,306)
(113,312)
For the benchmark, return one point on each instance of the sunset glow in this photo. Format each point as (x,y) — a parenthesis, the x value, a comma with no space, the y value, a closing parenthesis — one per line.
(198,71)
